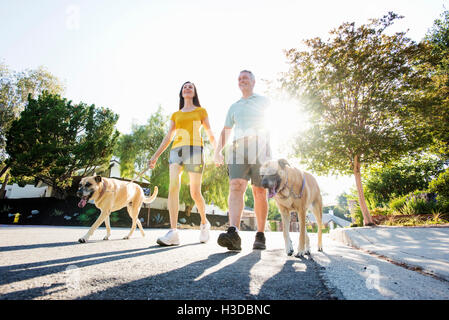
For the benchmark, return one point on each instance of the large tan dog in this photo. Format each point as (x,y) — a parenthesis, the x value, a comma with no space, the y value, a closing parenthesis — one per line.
(112,195)
(297,191)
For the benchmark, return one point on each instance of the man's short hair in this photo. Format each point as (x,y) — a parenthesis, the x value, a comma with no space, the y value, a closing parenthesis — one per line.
(250,73)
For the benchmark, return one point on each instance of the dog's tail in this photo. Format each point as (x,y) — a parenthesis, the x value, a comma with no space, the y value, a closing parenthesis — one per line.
(153,196)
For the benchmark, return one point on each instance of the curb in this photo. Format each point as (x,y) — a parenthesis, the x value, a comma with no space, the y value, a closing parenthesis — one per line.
(353,238)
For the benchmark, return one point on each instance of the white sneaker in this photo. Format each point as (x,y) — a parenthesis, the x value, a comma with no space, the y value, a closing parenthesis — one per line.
(204,233)
(170,239)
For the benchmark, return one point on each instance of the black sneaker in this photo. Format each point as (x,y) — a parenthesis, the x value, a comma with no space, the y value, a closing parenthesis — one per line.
(259,243)
(230,239)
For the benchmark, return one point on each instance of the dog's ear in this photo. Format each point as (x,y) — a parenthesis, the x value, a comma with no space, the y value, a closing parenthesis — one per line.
(97,179)
(282,163)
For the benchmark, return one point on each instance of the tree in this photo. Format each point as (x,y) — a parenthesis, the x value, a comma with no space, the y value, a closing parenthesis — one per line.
(354,87)
(434,63)
(14,90)
(136,148)
(54,139)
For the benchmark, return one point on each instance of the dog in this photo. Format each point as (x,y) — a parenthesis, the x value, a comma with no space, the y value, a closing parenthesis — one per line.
(293,190)
(111,195)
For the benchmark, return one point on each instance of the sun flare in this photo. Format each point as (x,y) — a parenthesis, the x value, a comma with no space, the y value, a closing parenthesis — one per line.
(284,120)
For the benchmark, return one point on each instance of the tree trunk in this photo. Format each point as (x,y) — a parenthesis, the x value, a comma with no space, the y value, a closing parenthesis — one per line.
(2,172)
(188,210)
(367,219)
(3,189)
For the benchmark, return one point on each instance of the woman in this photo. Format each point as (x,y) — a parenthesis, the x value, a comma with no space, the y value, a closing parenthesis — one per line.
(186,153)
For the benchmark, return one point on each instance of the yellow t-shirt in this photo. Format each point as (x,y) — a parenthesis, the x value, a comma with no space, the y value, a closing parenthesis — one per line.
(188,127)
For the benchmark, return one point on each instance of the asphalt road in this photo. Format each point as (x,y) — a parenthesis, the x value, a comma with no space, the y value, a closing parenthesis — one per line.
(39,262)
(47,263)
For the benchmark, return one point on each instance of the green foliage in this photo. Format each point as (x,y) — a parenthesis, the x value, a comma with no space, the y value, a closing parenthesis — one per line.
(384,182)
(432,108)
(413,204)
(14,90)
(440,185)
(397,203)
(90,214)
(249,197)
(357,216)
(215,185)
(54,139)
(381,211)
(136,148)
(416,206)
(273,210)
(354,88)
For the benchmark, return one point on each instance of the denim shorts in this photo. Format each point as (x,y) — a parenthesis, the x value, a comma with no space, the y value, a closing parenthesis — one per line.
(190,157)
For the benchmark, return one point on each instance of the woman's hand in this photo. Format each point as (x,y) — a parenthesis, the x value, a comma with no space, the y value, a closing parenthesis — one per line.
(218,159)
(152,162)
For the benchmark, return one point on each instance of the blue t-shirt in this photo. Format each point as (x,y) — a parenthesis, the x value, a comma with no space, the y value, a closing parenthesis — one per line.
(247,117)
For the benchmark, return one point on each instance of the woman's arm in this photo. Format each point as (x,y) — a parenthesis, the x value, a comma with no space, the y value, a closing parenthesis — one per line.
(224,136)
(164,144)
(209,132)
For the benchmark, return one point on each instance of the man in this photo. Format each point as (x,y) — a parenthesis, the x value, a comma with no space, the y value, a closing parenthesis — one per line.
(250,148)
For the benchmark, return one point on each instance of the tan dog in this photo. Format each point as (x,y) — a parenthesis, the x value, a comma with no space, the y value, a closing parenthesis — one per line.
(297,191)
(112,195)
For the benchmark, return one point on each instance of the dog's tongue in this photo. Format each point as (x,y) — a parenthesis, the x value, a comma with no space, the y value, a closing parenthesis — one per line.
(82,203)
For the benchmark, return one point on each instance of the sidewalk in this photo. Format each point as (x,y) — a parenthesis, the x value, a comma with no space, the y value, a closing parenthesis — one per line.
(424,248)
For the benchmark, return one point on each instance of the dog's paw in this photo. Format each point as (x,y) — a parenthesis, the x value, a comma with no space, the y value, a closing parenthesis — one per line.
(106,238)
(320,249)
(301,253)
(82,240)
(290,252)
(126,238)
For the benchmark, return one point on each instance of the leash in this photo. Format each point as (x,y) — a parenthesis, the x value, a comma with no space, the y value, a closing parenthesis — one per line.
(139,175)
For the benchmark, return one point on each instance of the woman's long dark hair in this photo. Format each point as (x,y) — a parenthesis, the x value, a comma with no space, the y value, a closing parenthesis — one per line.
(196,100)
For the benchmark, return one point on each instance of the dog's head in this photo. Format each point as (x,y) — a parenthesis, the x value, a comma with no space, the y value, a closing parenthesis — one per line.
(273,175)
(87,187)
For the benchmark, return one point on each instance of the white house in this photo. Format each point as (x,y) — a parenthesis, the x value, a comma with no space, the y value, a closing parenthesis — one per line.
(29,191)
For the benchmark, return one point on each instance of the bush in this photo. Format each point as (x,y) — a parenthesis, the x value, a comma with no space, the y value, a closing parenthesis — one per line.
(416,206)
(417,202)
(440,185)
(380,211)
(396,204)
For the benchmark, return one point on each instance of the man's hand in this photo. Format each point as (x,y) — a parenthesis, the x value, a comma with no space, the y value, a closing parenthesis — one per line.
(218,159)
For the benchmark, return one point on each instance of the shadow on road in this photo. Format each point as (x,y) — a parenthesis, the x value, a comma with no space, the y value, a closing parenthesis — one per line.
(38,246)
(235,280)
(230,282)
(22,272)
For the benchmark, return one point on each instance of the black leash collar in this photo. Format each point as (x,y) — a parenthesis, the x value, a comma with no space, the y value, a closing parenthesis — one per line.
(290,189)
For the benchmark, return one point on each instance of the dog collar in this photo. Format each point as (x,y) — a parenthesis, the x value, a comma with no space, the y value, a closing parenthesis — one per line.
(103,190)
(290,189)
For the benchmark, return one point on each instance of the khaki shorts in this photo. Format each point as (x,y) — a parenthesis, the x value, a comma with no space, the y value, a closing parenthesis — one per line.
(245,158)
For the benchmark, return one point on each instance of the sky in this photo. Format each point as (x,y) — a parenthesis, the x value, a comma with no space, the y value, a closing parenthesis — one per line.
(133,56)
